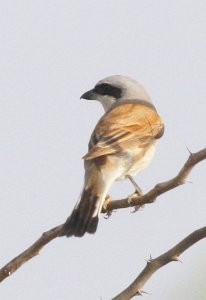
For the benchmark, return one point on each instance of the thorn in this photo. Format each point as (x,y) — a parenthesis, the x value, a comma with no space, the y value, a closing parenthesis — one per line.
(176,258)
(141,292)
(149,259)
(180,261)
(190,152)
(188,181)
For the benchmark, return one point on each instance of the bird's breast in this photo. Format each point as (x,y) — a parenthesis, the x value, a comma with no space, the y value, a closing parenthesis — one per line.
(135,161)
(142,158)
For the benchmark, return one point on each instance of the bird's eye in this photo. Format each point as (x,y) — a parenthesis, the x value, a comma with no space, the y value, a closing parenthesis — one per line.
(107,89)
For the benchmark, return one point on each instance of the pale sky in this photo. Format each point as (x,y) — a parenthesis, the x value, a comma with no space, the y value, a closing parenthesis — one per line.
(51,52)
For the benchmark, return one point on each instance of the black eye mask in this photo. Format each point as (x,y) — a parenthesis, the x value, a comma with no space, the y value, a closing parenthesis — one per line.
(107,89)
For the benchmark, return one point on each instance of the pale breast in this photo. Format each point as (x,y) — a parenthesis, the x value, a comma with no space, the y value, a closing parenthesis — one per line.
(142,160)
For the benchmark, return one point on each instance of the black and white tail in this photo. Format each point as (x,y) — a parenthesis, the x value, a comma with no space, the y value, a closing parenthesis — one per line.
(85,215)
(84,218)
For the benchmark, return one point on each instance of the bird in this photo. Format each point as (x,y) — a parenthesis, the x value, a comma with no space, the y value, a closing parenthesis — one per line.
(121,145)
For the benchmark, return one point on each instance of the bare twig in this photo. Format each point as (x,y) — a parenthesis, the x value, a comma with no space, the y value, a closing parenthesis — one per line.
(149,197)
(135,288)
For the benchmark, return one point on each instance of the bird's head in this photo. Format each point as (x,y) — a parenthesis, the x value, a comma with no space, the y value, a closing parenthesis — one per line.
(116,88)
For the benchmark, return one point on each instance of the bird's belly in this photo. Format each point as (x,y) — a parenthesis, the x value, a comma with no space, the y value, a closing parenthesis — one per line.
(138,160)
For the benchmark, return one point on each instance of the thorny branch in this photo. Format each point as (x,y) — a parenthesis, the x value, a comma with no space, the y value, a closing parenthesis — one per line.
(149,197)
(135,288)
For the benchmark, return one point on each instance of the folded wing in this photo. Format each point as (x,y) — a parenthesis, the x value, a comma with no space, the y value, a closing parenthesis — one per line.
(125,126)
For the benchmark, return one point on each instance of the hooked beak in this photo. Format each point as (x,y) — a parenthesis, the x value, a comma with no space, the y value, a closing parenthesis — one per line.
(90,95)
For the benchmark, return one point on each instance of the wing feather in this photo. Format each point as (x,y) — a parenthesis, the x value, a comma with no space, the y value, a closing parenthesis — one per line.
(124,127)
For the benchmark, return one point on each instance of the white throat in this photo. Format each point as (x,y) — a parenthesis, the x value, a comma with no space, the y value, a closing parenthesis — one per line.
(107,102)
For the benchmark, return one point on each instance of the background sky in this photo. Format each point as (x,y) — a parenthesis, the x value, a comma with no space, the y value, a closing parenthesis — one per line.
(50,53)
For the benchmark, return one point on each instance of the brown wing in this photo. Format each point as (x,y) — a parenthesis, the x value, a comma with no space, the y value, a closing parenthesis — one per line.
(124,127)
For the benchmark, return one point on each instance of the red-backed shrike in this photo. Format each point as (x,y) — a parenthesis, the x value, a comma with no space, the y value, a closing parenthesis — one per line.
(121,145)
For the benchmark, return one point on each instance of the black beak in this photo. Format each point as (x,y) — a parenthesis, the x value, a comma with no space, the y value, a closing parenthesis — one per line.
(90,95)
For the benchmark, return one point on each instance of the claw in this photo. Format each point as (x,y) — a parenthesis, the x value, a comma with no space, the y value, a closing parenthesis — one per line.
(137,208)
(108,214)
(131,198)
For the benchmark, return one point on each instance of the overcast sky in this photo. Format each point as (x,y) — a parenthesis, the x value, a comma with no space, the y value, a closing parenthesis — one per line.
(50,53)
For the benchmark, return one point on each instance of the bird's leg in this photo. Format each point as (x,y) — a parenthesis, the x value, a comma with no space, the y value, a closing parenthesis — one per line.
(138,192)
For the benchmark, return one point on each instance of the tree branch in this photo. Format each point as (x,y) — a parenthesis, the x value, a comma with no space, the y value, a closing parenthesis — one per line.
(30,252)
(135,288)
(159,188)
(149,197)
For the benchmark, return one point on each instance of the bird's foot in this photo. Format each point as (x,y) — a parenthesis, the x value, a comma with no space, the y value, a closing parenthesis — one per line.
(137,208)
(135,195)
(138,192)
(108,213)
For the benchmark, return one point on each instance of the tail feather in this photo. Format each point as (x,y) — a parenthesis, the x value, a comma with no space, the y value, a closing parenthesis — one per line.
(85,215)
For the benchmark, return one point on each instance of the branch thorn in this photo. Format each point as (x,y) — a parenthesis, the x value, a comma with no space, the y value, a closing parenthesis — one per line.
(190,152)
(149,259)
(188,181)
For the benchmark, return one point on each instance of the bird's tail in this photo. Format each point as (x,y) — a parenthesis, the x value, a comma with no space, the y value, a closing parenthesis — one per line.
(84,218)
